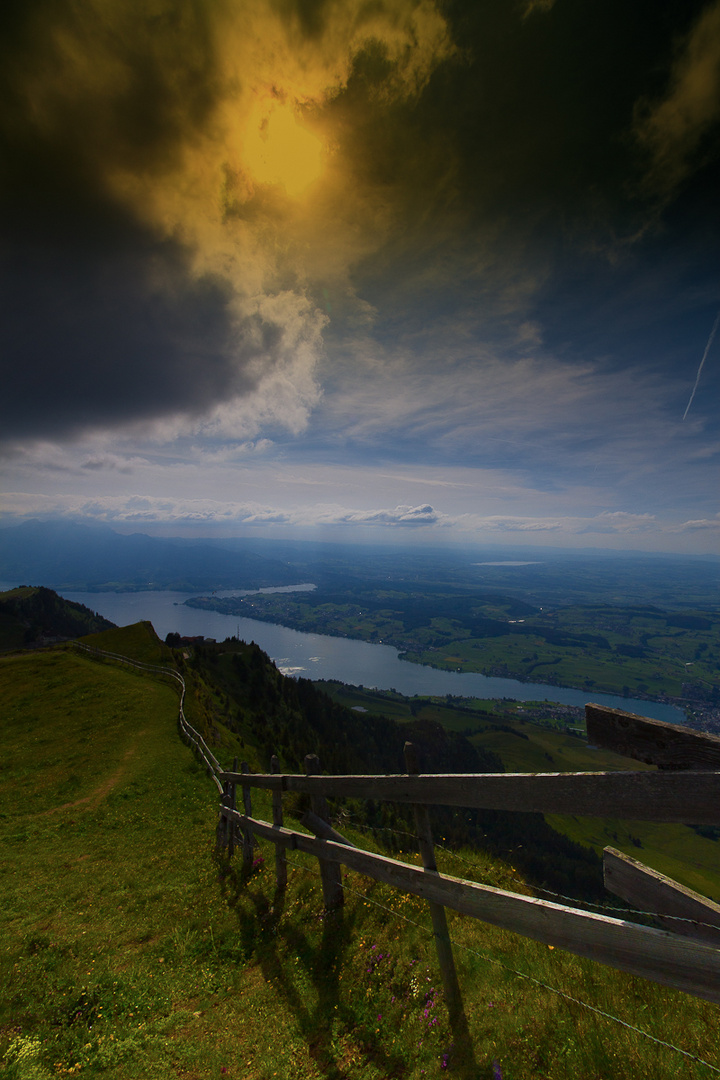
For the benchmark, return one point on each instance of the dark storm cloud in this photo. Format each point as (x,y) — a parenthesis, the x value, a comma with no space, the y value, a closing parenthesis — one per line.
(520,184)
(103,318)
(126,295)
(309,15)
(530,130)
(88,85)
(97,334)
(476,181)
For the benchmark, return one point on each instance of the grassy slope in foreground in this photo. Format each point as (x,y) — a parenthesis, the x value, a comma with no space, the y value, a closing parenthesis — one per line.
(128,951)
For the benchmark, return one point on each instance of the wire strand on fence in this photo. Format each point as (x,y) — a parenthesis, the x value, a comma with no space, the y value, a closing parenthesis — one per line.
(521,974)
(602,906)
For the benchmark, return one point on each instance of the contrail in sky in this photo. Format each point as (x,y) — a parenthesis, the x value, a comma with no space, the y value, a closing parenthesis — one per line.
(707,350)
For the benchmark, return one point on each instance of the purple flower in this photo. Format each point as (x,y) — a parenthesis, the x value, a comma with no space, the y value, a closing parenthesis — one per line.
(497,1071)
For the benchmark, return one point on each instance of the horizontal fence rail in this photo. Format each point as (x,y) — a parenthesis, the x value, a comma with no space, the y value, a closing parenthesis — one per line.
(669,746)
(692,798)
(685,790)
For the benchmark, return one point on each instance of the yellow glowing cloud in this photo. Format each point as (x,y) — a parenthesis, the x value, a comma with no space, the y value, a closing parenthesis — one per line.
(219,157)
(279,150)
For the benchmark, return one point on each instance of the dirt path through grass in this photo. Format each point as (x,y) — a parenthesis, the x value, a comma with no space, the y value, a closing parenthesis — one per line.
(93,800)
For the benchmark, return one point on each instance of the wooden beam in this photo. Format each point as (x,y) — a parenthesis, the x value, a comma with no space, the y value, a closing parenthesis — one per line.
(669,746)
(647,890)
(247,834)
(443,945)
(322,829)
(233,805)
(277,809)
(690,797)
(330,872)
(640,950)
(269,781)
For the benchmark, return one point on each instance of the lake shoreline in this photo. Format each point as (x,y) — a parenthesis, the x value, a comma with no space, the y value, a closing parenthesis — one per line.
(351,661)
(406,657)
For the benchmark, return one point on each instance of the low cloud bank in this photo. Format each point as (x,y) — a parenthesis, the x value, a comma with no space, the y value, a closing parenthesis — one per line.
(149,511)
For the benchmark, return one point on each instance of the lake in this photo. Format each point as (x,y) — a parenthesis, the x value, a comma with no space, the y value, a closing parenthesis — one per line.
(319,656)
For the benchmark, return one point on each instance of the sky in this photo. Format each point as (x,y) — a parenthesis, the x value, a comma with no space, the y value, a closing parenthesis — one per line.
(391,269)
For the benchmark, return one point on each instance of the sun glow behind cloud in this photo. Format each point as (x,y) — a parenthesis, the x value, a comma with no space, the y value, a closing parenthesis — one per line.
(279,150)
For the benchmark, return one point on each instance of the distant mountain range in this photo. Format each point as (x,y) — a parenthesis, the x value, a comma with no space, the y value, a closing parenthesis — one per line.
(66,555)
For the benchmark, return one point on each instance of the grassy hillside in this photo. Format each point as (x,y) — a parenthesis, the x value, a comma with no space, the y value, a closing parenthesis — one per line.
(32,615)
(128,949)
(138,641)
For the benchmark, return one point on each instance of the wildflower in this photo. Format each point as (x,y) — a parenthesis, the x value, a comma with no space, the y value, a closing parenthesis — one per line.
(497,1071)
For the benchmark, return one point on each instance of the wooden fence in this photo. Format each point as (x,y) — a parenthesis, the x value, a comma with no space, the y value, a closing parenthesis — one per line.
(685,788)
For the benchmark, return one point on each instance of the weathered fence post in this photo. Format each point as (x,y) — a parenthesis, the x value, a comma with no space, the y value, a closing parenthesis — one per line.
(437,911)
(330,872)
(221,833)
(232,803)
(247,834)
(277,810)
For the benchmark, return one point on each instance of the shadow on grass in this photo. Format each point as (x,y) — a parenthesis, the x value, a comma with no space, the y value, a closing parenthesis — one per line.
(323,1017)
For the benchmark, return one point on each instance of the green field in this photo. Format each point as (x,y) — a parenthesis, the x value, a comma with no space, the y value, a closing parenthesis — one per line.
(129,949)
(630,650)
